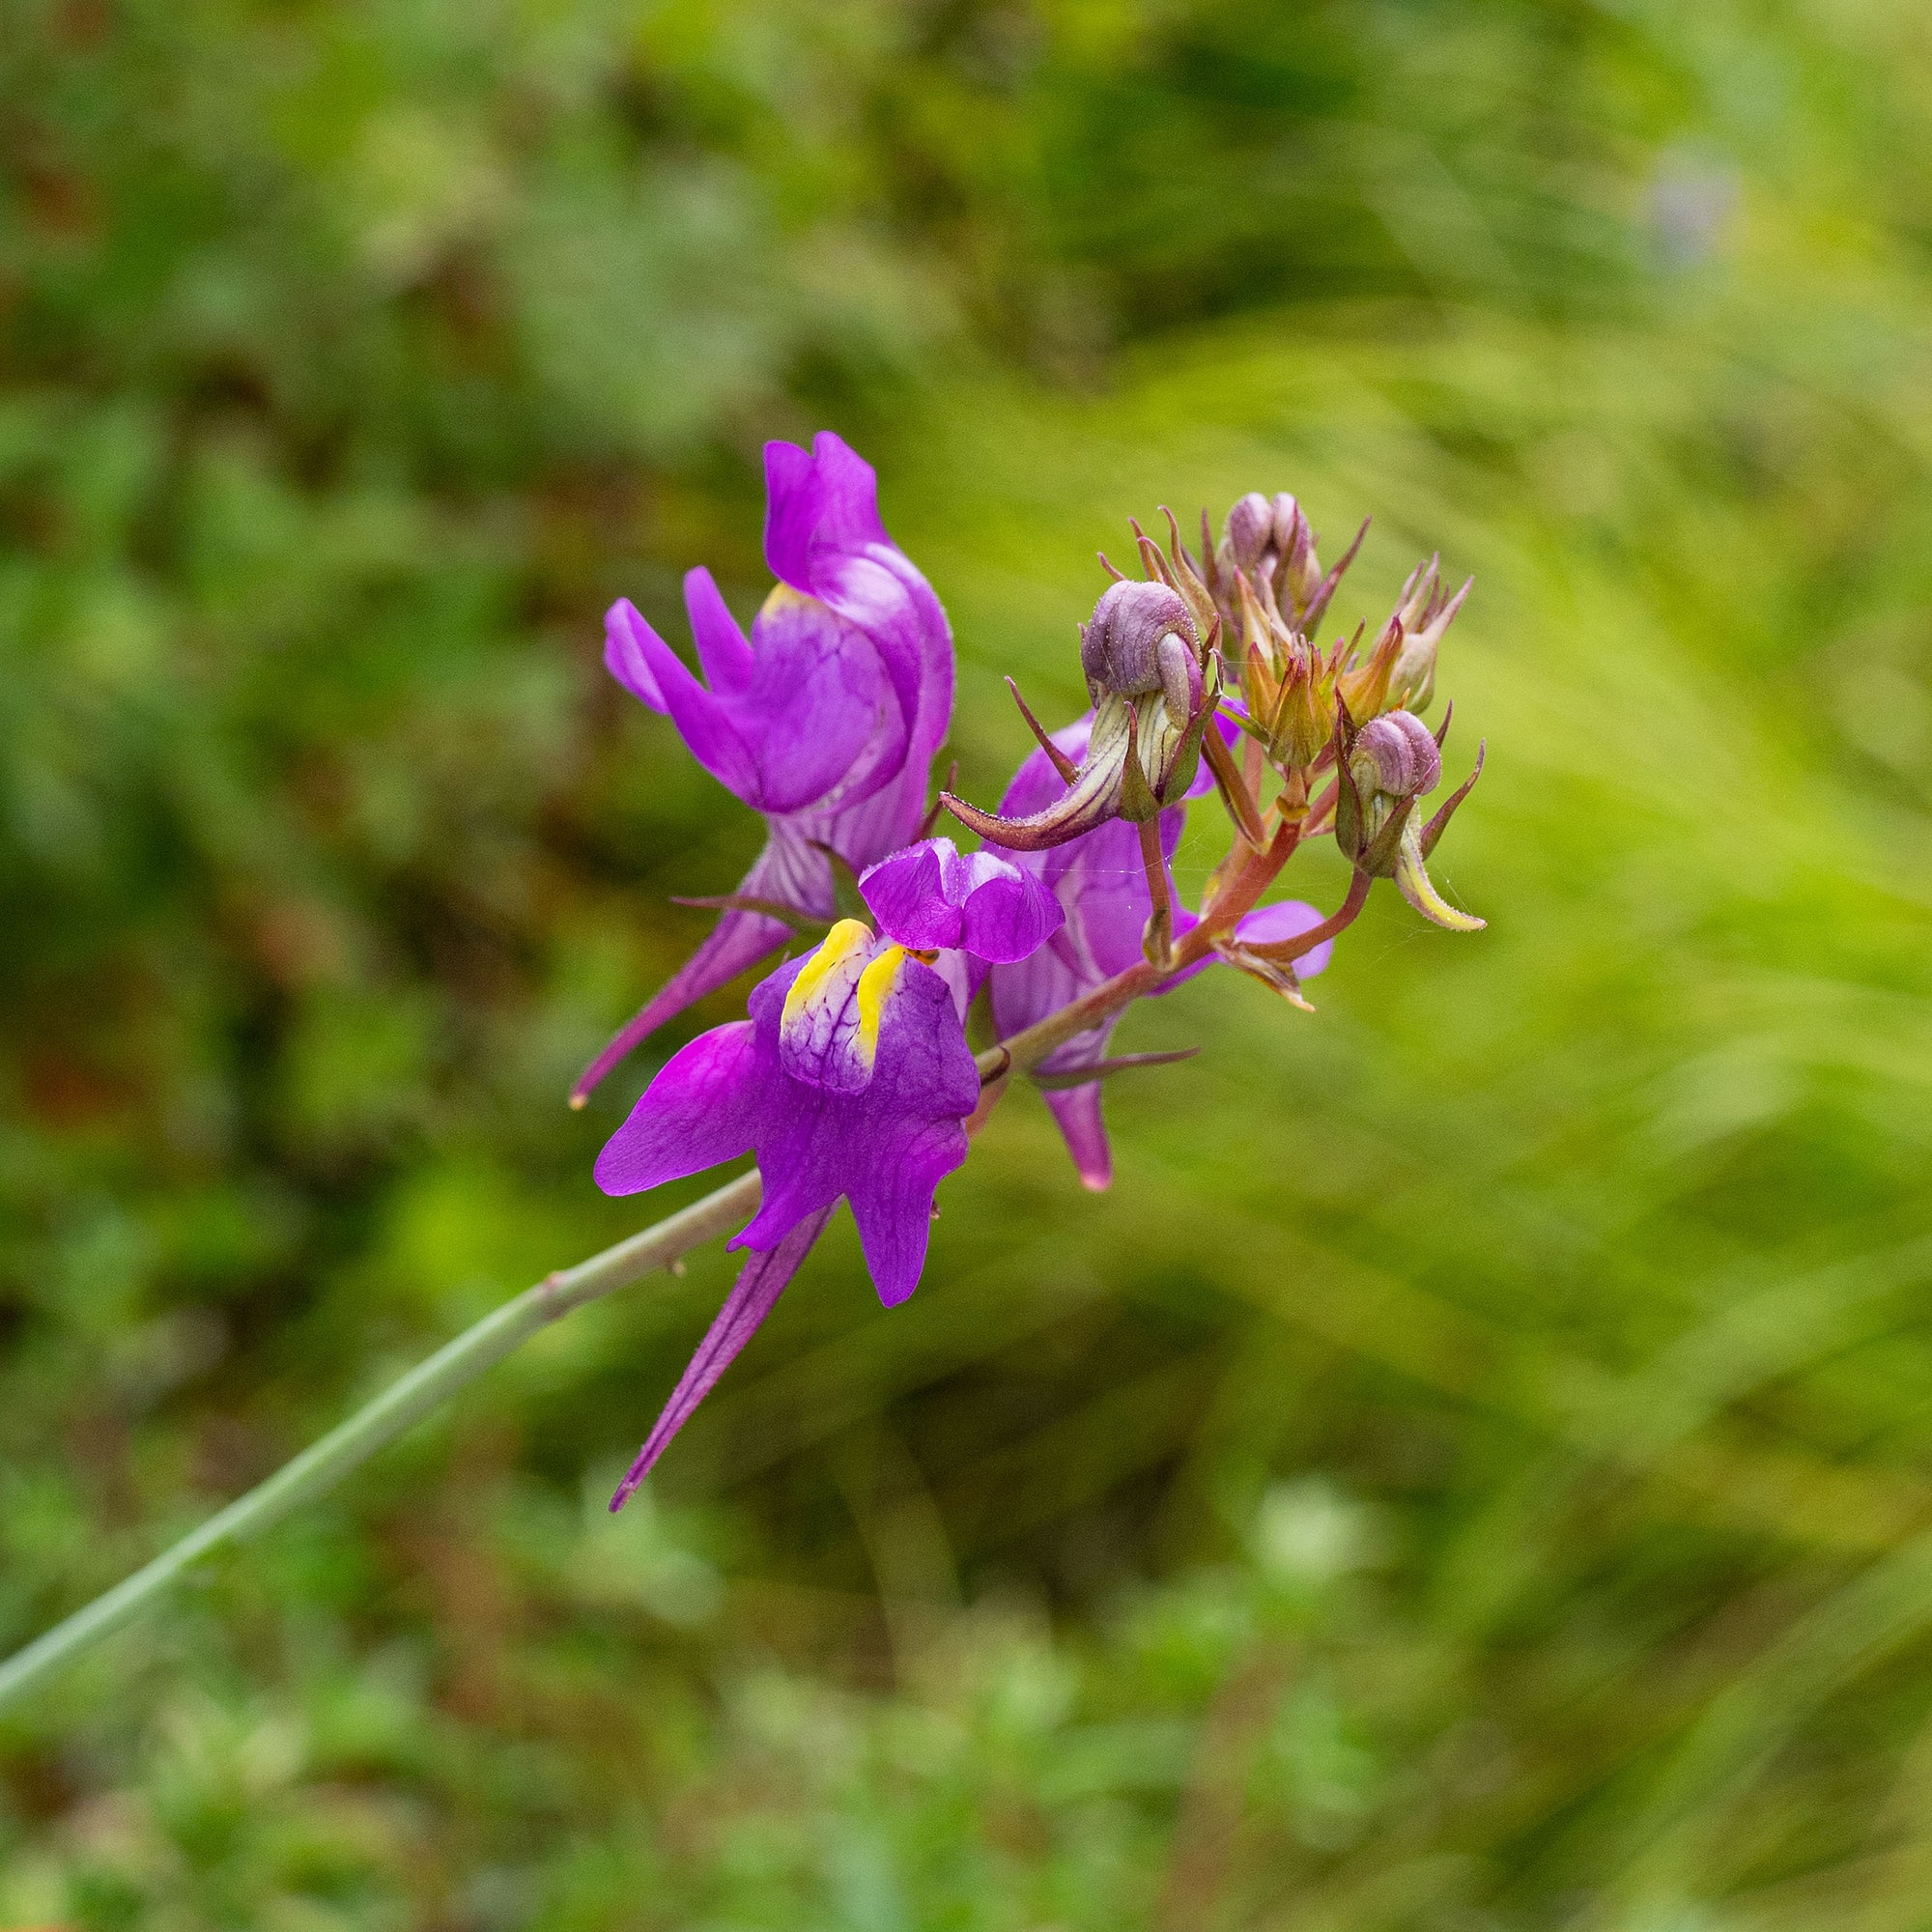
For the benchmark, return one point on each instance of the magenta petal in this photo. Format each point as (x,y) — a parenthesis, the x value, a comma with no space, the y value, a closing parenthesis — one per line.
(1289,918)
(831,732)
(891,1202)
(624,630)
(887,1147)
(754,1295)
(906,894)
(813,705)
(827,500)
(1077,1111)
(701,719)
(723,649)
(932,897)
(1008,917)
(699,1110)
(870,595)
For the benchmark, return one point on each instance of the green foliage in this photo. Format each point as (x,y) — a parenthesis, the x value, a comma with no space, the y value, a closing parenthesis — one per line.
(1470,1473)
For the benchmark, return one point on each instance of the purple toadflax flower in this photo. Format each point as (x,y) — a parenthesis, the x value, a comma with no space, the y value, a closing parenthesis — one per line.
(1101,885)
(852,1078)
(825,720)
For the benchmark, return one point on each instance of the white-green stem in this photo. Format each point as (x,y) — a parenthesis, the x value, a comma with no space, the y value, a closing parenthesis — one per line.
(324,1464)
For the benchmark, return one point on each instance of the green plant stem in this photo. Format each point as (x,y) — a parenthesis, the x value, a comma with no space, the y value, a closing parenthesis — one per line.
(324,1464)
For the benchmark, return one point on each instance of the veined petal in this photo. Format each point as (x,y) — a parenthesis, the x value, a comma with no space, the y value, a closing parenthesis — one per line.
(933,898)
(831,730)
(886,1147)
(906,894)
(828,1029)
(812,704)
(872,596)
(1010,917)
(892,1201)
(827,500)
(699,1110)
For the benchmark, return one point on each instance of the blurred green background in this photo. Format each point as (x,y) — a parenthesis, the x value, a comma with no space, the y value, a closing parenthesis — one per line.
(1475,1470)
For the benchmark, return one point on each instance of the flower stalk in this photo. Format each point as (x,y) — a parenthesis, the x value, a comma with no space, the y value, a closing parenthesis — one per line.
(378,1423)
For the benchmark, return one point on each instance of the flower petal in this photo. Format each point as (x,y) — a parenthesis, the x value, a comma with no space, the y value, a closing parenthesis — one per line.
(1009,917)
(813,701)
(886,1148)
(721,646)
(699,1110)
(1077,1112)
(891,1202)
(906,894)
(624,657)
(827,500)
(829,1026)
(933,898)
(754,1295)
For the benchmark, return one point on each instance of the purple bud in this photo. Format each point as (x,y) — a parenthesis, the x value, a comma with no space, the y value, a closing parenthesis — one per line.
(1143,638)
(1397,754)
(1249,533)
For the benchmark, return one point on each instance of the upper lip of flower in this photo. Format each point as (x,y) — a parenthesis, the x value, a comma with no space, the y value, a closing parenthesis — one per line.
(849,655)
(931,895)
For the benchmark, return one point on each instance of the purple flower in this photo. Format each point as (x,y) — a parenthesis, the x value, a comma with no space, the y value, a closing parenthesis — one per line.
(825,721)
(851,1079)
(1101,882)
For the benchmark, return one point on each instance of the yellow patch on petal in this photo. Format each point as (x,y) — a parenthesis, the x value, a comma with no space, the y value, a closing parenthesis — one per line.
(837,950)
(782,597)
(828,1029)
(875,984)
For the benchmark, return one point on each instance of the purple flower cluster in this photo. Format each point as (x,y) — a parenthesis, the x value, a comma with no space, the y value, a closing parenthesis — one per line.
(851,1077)
(824,722)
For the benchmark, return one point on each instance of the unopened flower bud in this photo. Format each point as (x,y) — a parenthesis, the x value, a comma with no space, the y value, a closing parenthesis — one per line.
(1396,755)
(1391,762)
(1142,638)
(1247,537)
